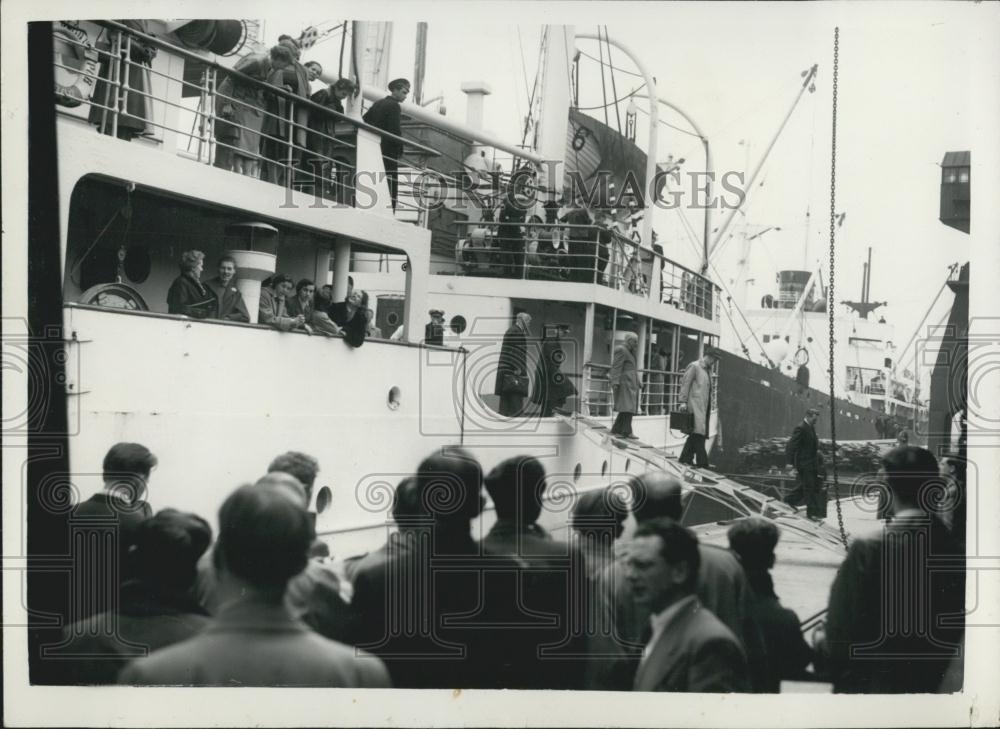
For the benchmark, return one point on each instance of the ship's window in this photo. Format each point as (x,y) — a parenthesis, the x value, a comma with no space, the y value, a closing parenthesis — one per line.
(393,399)
(577,471)
(767,338)
(963,174)
(458,324)
(950,175)
(323,499)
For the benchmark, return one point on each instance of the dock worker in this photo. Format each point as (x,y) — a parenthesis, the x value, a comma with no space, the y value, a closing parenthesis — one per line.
(696,398)
(803,453)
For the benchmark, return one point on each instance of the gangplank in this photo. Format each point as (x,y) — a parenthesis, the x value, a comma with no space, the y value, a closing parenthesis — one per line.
(701,483)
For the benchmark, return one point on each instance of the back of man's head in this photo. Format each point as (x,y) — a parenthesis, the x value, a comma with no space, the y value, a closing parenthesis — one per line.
(125,462)
(754,539)
(407,506)
(678,544)
(517,486)
(264,536)
(450,485)
(909,469)
(168,547)
(655,494)
(288,483)
(301,465)
(599,511)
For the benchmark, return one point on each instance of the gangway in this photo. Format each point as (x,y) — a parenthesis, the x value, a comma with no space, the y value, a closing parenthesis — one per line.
(702,483)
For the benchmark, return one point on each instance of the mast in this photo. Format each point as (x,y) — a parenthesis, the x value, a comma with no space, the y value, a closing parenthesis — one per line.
(419,64)
(560,47)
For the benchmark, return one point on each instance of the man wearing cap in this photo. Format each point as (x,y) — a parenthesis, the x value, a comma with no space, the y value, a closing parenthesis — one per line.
(434,330)
(802,451)
(696,398)
(386,114)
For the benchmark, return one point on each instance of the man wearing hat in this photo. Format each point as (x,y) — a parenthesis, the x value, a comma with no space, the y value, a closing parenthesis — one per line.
(434,330)
(696,397)
(386,114)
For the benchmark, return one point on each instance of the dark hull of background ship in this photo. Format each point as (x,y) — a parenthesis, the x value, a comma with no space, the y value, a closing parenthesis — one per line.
(756,402)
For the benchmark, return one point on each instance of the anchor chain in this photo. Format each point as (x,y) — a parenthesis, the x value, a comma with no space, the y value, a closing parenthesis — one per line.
(830,297)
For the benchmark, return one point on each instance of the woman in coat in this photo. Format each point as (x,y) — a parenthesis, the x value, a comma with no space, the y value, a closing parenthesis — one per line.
(239,106)
(696,397)
(137,108)
(187,295)
(624,377)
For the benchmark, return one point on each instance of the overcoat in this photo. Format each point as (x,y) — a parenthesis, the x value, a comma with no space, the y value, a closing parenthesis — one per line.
(696,391)
(625,376)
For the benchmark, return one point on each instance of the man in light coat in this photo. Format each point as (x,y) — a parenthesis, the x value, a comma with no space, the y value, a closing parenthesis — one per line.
(696,398)
(624,379)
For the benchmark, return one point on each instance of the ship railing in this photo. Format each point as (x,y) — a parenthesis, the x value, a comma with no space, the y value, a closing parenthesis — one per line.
(578,253)
(302,145)
(659,392)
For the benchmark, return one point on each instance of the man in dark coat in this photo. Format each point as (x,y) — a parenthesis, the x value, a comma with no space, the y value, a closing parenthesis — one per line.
(510,238)
(895,622)
(689,648)
(387,115)
(230,301)
(803,453)
(512,372)
(624,378)
(753,540)
(156,608)
(552,582)
(441,614)
(552,387)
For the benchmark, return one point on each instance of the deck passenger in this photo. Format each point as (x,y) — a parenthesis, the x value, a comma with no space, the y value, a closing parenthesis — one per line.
(753,540)
(282,122)
(273,309)
(264,539)
(696,397)
(323,147)
(239,108)
(349,315)
(187,295)
(130,98)
(155,609)
(231,306)
(386,114)
(434,329)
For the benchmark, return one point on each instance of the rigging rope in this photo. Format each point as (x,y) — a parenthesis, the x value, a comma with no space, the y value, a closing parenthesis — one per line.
(830,304)
(615,101)
(604,91)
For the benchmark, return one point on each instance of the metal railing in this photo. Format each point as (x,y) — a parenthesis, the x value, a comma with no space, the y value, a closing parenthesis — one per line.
(242,123)
(590,254)
(659,391)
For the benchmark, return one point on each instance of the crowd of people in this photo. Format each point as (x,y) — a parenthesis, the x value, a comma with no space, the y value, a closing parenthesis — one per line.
(284,304)
(630,599)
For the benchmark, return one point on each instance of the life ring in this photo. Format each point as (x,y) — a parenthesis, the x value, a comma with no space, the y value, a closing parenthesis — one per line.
(76,64)
(114,296)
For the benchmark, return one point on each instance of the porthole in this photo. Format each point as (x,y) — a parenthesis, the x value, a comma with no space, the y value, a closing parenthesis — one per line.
(323,499)
(458,324)
(576,472)
(394,397)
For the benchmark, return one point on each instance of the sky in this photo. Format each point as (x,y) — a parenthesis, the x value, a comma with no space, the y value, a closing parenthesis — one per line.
(904,91)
